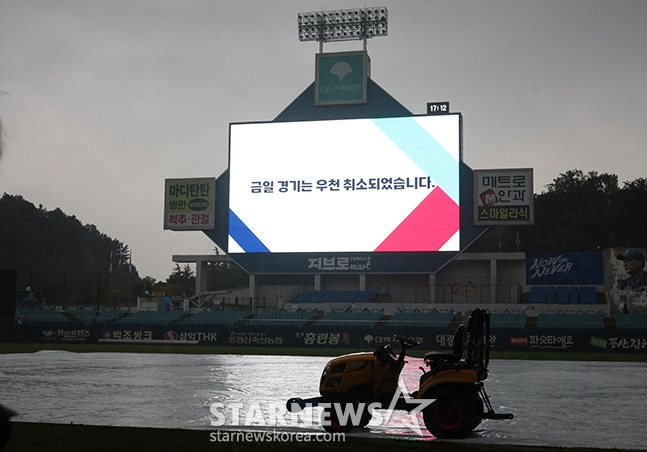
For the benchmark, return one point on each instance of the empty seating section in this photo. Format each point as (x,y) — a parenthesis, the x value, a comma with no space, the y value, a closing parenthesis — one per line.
(562,295)
(26,314)
(588,295)
(537,294)
(335,296)
(152,317)
(508,320)
(217,318)
(84,315)
(570,321)
(110,315)
(339,318)
(631,321)
(421,319)
(282,318)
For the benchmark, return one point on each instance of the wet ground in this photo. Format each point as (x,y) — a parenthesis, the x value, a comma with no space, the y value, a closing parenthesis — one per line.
(592,404)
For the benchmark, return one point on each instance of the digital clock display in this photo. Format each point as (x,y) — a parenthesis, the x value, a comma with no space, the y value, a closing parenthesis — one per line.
(437,108)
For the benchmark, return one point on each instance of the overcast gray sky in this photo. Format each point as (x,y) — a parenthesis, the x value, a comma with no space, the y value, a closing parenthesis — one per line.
(101,100)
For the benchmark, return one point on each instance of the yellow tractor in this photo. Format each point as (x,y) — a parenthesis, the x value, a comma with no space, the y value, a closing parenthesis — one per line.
(451,391)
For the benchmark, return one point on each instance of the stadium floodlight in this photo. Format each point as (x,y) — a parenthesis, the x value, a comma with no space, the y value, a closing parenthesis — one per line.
(343,24)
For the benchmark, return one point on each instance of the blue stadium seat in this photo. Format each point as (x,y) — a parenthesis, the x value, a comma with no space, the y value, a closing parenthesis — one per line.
(561,295)
(631,321)
(574,295)
(508,320)
(421,319)
(537,295)
(570,321)
(588,295)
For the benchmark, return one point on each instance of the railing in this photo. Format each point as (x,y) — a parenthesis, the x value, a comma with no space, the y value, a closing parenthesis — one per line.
(478,293)
(450,293)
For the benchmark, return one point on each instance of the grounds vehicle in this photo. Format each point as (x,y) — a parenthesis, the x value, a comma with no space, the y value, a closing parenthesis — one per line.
(360,380)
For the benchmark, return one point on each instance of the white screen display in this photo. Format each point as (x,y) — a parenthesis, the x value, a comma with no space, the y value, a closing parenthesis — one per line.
(353,185)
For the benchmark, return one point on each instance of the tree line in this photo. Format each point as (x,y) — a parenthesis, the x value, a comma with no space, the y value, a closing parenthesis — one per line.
(577,212)
(68,262)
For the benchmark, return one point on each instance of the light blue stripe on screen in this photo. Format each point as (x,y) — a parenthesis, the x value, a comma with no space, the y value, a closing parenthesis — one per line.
(424,150)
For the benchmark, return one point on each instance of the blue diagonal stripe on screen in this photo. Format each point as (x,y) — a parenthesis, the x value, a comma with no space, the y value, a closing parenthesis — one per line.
(244,236)
(424,150)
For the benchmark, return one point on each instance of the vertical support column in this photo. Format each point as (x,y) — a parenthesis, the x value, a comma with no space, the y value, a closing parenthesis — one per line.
(201,268)
(432,288)
(317,282)
(253,290)
(362,282)
(493,279)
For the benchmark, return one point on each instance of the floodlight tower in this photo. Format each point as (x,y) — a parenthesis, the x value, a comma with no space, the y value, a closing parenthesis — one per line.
(343,25)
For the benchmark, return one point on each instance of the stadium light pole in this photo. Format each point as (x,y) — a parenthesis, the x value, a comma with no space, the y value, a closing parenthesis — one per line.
(343,25)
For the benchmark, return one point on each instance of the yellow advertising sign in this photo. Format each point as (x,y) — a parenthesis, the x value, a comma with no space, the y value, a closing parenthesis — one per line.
(190,204)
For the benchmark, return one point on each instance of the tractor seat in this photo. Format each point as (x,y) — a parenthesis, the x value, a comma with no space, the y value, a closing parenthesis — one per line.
(434,359)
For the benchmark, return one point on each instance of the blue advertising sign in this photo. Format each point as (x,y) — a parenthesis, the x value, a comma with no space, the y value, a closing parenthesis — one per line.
(577,268)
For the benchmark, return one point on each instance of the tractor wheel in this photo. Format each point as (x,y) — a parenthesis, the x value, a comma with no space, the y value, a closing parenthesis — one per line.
(451,415)
(366,417)
(331,423)
(477,402)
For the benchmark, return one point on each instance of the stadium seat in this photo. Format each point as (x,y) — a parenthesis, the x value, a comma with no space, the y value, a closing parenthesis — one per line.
(282,318)
(421,319)
(508,320)
(335,296)
(218,318)
(588,295)
(570,321)
(574,295)
(537,295)
(362,318)
(26,314)
(561,295)
(631,321)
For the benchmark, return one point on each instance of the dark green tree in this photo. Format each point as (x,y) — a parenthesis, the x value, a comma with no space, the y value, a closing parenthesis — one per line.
(225,275)
(578,212)
(181,281)
(69,262)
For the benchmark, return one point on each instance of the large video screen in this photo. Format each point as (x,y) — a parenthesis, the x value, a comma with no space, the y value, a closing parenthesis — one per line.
(352,185)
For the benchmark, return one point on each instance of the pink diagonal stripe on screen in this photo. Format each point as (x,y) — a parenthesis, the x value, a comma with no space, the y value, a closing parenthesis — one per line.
(427,228)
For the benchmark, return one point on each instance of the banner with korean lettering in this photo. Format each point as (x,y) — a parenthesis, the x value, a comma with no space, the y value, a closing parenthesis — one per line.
(190,204)
(503,196)
(342,337)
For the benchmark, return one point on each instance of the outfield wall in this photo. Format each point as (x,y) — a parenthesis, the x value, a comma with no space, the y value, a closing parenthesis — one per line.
(333,336)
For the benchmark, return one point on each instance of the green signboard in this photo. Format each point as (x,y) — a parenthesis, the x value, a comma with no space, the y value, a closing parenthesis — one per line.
(341,78)
(190,204)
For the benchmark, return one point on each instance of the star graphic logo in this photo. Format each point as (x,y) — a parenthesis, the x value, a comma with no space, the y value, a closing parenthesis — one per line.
(412,421)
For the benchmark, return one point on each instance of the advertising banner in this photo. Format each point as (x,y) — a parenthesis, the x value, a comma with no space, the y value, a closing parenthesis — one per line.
(190,204)
(626,279)
(573,269)
(342,338)
(503,196)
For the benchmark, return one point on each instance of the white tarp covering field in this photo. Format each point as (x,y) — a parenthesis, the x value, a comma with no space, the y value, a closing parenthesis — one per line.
(556,403)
